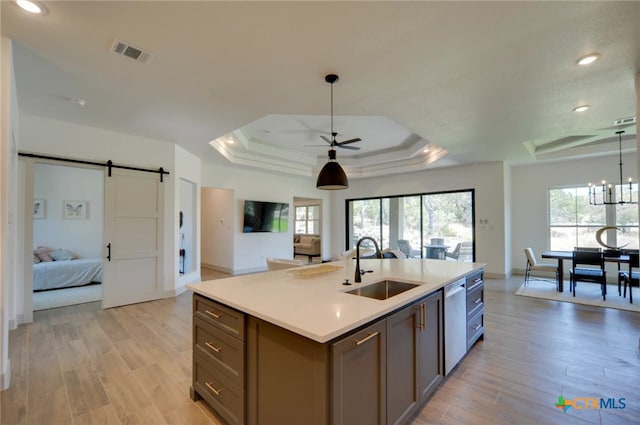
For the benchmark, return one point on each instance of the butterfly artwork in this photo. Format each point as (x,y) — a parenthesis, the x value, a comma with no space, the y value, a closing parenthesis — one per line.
(75,209)
(38,208)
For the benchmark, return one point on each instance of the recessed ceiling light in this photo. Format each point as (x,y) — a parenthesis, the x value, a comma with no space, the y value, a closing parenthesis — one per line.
(230,141)
(31,6)
(588,59)
(581,108)
(425,150)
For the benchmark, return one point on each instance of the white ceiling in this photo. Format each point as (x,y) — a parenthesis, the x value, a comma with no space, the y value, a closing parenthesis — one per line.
(470,81)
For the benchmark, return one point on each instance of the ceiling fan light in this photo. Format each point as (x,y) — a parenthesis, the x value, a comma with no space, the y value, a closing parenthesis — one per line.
(332,177)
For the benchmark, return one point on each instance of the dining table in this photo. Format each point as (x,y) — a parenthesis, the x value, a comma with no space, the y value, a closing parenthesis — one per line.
(568,255)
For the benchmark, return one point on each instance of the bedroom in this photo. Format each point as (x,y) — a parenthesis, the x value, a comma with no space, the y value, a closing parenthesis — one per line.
(67,228)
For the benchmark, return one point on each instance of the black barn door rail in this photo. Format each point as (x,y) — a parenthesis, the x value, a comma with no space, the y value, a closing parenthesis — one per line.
(109,164)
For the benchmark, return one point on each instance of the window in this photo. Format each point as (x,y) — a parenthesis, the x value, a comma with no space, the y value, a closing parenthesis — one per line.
(429,223)
(574,222)
(308,219)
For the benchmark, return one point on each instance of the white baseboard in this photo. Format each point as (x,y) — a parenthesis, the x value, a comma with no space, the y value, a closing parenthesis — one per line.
(495,275)
(217,268)
(5,379)
(249,270)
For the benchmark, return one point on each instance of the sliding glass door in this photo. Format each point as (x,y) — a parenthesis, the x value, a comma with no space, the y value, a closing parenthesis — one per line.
(433,225)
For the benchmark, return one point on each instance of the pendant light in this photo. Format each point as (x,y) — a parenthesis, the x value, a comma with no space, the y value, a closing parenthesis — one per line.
(607,192)
(332,176)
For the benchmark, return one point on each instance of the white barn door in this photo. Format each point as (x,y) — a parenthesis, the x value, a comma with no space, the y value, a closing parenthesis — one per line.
(133,237)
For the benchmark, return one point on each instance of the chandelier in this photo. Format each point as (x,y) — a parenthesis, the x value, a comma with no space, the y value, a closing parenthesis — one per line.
(607,191)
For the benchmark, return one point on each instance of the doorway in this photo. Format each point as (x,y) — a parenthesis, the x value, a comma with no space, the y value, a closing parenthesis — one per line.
(308,223)
(68,223)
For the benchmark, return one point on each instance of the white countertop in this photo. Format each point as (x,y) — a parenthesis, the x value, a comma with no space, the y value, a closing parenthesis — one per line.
(318,307)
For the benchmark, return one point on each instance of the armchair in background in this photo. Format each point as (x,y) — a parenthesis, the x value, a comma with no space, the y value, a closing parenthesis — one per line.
(405,247)
(282,263)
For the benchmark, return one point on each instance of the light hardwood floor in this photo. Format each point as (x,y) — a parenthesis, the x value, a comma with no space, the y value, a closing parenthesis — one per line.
(132,365)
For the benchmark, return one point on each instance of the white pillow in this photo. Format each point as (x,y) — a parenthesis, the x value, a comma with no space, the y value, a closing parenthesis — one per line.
(61,255)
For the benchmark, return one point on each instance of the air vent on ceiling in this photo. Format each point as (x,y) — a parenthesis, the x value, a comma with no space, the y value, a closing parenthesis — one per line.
(625,121)
(135,53)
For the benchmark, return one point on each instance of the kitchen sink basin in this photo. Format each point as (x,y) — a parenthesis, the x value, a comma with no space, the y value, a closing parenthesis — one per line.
(383,289)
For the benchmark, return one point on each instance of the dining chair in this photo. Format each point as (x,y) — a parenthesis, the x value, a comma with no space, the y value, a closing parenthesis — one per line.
(630,278)
(533,265)
(586,248)
(588,266)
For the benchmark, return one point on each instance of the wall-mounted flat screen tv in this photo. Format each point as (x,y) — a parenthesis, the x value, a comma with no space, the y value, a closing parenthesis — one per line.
(262,216)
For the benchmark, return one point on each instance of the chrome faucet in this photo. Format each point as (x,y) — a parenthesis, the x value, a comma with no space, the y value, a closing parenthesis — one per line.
(359,272)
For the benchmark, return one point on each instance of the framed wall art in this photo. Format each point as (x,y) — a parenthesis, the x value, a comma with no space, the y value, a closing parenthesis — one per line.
(75,210)
(39,208)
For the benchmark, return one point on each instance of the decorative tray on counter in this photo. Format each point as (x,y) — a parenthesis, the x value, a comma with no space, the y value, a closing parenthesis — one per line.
(314,270)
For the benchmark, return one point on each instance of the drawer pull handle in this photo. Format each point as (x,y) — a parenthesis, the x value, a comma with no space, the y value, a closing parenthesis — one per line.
(478,280)
(367,338)
(216,392)
(211,313)
(213,347)
(476,327)
(421,317)
(477,301)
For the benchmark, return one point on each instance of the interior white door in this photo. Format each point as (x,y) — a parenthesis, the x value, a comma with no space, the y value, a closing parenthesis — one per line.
(133,236)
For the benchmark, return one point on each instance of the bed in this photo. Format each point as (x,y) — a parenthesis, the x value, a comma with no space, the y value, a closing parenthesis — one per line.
(68,273)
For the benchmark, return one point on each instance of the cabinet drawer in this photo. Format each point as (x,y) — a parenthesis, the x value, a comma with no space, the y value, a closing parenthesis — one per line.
(230,321)
(474,279)
(221,350)
(475,299)
(226,398)
(475,328)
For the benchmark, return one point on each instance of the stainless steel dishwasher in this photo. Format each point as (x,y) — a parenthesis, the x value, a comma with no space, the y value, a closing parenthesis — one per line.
(455,323)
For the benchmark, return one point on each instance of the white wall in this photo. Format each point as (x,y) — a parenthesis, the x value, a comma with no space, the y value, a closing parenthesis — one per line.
(55,184)
(488,180)
(218,228)
(188,171)
(251,249)
(10,314)
(62,139)
(529,193)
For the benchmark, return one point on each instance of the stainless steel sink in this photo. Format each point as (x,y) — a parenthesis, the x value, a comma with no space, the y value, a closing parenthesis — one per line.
(383,289)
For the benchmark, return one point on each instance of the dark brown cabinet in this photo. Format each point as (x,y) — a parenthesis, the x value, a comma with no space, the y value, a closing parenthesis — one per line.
(254,372)
(475,308)
(359,370)
(219,358)
(414,357)
(430,370)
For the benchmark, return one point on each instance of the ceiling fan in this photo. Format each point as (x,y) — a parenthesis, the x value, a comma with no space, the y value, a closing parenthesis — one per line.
(331,79)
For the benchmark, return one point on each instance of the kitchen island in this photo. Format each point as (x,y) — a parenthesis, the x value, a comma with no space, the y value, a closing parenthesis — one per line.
(292,346)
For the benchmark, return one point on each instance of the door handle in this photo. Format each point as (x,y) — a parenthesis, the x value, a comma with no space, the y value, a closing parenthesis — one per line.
(109,251)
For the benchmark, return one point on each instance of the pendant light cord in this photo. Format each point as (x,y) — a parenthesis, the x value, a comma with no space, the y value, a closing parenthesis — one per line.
(333,138)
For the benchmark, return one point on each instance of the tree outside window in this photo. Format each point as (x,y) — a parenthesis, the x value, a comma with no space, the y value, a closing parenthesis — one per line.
(308,219)
(573,221)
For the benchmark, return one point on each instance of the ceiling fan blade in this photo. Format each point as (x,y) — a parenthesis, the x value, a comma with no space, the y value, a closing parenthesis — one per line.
(325,138)
(353,148)
(346,142)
